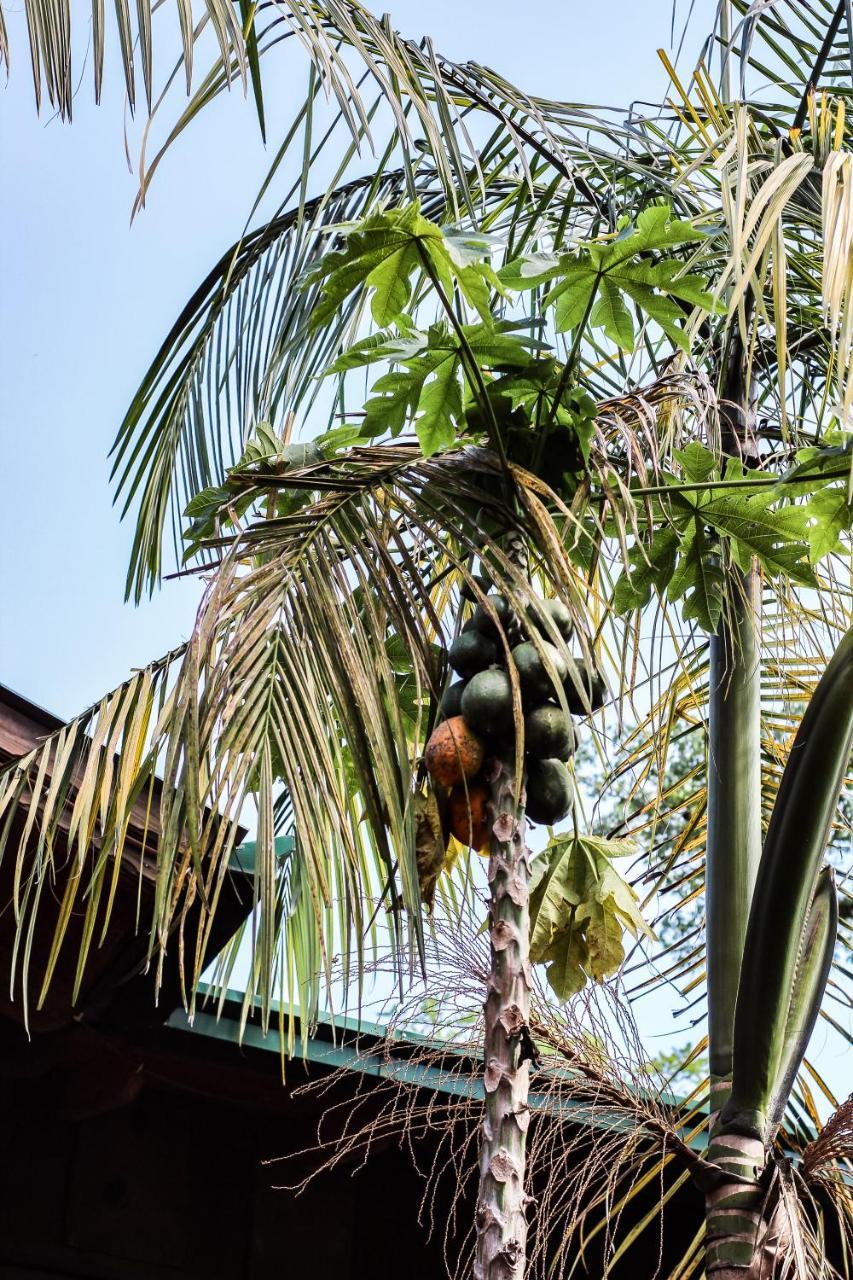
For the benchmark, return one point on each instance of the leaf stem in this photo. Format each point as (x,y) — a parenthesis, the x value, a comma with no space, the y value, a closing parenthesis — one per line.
(572,358)
(762,482)
(475,376)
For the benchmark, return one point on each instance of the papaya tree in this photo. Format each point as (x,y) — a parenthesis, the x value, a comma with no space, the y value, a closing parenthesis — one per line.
(317,666)
(612,357)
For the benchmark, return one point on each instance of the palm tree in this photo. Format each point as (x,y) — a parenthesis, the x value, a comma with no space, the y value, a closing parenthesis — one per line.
(705,498)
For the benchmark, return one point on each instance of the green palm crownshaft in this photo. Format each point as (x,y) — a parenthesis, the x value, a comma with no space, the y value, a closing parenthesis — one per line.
(734,814)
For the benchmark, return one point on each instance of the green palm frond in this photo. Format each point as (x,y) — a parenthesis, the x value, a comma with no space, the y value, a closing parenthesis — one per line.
(244,349)
(52,30)
(313,670)
(237,354)
(792,46)
(530,172)
(663,780)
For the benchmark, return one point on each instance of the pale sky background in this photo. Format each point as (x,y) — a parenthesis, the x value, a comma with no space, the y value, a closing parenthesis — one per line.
(86,299)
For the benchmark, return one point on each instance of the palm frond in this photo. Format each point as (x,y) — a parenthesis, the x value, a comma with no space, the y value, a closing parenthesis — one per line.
(237,354)
(86,791)
(313,621)
(52,29)
(479,152)
(242,349)
(793,47)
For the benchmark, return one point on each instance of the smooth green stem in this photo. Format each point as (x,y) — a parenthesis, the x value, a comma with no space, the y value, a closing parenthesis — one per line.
(734,811)
(475,375)
(572,358)
(800,826)
(726,52)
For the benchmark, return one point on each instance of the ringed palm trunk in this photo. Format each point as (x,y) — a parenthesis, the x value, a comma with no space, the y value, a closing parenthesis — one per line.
(786,964)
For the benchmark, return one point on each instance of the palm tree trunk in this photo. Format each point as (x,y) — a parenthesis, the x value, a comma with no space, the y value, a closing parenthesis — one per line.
(733,1208)
(501,1219)
(733,852)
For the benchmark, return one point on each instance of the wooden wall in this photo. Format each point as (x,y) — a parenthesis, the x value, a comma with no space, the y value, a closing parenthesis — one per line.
(174,1186)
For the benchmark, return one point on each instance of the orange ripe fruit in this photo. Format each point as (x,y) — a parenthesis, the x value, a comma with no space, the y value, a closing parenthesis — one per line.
(453,753)
(469,815)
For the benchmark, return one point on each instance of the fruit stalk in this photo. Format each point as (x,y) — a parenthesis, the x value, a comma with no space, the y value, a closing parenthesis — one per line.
(501,1217)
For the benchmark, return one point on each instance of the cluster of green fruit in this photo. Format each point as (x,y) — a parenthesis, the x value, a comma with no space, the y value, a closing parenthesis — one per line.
(482,698)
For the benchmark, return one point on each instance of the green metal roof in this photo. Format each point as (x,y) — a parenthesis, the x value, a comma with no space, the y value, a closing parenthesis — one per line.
(328,1053)
(334,1053)
(329,1048)
(243,858)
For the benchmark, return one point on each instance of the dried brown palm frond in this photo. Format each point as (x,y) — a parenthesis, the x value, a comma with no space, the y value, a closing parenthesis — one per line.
(600,1134)
(808,1208)
(826,1172)
(834,1142)
(313,669)
(608,1150)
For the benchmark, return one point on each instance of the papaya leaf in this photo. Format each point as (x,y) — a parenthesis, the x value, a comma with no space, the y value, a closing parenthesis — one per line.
(531,270)
(263,444)
(389,410)
(580,908)
(429,844)
(594,280)
(568,962)
(439,406)
(381,252)
(385,253)
(496,347)
(833,458)
(698,464)
(650,567)
(377,347)
(829,514)
(611,315)
(778,536)
(573,297)
(604,932)
(699,578)
(427,388)
(700,524)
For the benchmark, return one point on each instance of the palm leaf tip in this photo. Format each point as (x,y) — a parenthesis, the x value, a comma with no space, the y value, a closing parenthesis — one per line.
(814,964)
(50,37)
(794,848)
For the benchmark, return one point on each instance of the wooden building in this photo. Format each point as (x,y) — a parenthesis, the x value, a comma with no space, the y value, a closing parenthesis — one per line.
(133,1144)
